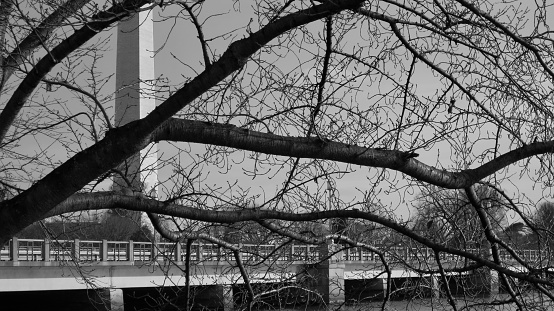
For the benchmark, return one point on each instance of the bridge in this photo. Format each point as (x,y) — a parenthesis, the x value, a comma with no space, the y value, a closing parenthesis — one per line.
(114,268)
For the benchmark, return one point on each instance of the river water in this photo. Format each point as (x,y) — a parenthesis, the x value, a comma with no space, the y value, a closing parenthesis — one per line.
(534,303)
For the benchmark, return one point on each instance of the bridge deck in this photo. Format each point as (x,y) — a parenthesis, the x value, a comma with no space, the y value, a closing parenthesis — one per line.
(27,265)
(131,251)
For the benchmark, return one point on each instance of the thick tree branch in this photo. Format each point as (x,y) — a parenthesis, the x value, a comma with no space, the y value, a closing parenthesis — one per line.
(82,168)
(99,22)
(38,35)
(302,147)
(110,200)
(225,135)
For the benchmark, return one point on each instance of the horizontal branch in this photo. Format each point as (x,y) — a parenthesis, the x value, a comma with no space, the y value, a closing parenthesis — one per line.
(314,148)
(111,200)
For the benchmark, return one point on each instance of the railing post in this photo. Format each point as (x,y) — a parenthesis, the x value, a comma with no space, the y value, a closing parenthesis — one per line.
(14,250)
(177,251)
(154,252)
(346,254)
(131,251)
(76,253)
(291,253)
(199,255)
(104,251)
(46,250)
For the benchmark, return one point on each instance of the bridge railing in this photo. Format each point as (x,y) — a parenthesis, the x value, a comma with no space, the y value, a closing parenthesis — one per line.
(95,251)
(397,254)
(425,254)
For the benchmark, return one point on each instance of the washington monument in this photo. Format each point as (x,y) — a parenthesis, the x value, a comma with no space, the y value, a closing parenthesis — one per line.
(134,99)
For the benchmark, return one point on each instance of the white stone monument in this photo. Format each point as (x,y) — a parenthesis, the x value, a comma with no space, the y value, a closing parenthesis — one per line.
(134,96)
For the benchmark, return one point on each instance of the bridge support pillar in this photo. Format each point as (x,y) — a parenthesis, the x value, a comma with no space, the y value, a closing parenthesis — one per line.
(325,278)
(434,285)
(385,283)
(116,299)
(494,283)
(335,282)
(484,281)
(330,275)
(225,294)
(98,299)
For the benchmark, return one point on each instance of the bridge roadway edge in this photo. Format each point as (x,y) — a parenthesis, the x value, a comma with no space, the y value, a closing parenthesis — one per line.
(329,278)
(52,275)
(56,275)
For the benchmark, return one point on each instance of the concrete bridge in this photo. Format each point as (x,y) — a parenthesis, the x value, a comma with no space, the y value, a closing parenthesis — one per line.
(107,271)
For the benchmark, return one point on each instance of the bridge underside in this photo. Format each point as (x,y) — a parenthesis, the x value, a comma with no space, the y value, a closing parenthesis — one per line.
(218,285)
(64,276)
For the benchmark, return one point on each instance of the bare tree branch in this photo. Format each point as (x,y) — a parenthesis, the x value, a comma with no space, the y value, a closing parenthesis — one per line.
(110,200)
(99,22)
(108,153)
(231,136)
(38,36)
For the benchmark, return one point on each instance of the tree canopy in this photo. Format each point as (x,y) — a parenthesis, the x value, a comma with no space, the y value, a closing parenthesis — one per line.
(273,101)
(446,215)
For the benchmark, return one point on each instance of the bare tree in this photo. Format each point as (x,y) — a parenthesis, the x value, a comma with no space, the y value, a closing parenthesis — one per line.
(540,227)
(446,216)
(274,100)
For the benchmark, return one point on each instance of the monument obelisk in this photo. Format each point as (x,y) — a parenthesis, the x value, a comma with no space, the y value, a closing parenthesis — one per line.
(134,97)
